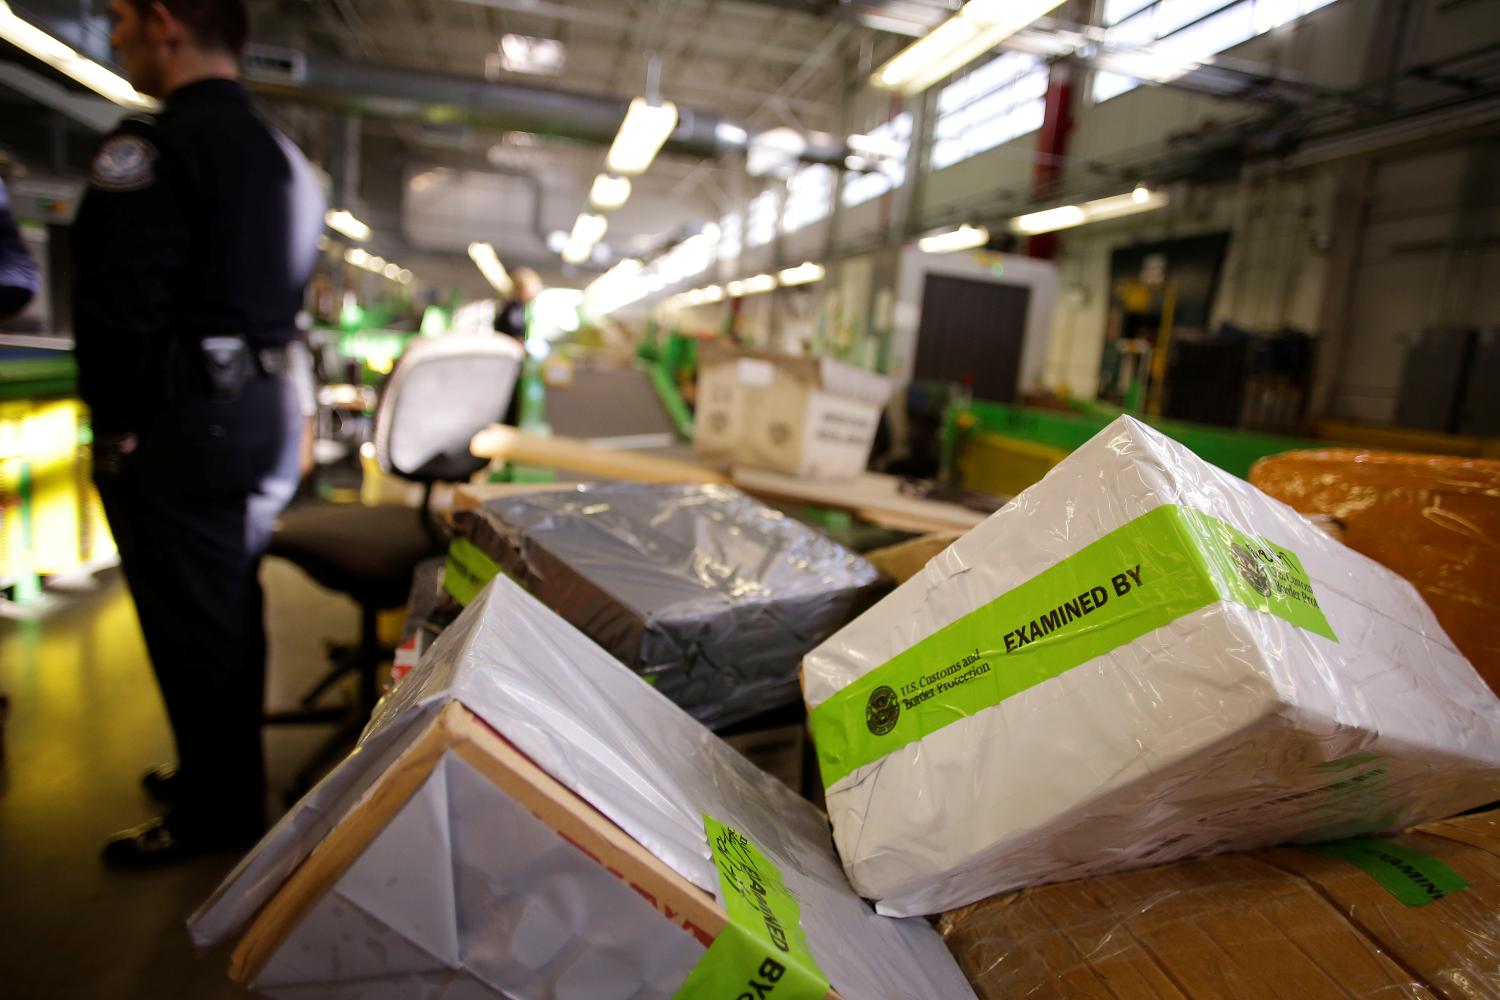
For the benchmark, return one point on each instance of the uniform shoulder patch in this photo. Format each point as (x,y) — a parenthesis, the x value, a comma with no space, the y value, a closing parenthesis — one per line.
(125,162)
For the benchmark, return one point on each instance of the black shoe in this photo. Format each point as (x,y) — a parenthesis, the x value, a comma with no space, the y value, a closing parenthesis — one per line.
(156,842)
(161,782)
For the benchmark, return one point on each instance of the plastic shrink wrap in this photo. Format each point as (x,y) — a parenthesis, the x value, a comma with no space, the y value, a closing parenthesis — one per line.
(1417,915)
(1139,659)
(524,818)
(1433,519)
(709,595)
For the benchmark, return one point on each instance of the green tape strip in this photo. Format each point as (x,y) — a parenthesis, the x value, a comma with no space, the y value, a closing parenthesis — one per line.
(762,951)
(1164,564)
(1411,876)
(467,570)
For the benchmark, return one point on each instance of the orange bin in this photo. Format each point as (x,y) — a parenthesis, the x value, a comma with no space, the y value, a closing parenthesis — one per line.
(1434,519)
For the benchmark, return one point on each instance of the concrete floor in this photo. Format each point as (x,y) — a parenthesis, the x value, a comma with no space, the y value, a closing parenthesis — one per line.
(85,721)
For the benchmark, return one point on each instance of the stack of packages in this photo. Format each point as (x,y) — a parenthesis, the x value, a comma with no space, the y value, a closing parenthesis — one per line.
(1143,659)
(710,596)
(524,818)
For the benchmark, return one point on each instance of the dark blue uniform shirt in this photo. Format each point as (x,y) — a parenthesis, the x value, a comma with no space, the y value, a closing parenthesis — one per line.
(200,221)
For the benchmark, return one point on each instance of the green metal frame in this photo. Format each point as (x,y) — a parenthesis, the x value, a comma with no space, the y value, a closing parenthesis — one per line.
(1231,450)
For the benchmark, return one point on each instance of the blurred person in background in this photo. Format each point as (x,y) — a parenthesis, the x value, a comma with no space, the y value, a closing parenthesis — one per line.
(511,319)
(18,274)
(511,316)
(193,244)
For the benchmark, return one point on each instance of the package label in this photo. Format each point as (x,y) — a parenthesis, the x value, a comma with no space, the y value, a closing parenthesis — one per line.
(1167,563)
(762,953)
(467,570)
(1411,876)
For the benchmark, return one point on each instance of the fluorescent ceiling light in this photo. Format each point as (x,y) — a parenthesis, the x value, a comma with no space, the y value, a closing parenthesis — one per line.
(404,277)
(356,256)
(978,27)
(528,54)
(713,293)
(642,134)
(484,257)
(1047,221)
(965,237)
(609,192)
(759,283)
(1142,199)
(577,253)
(101,80)
(588,229)
(736,288)
(392,271)
(803,274)
(343,221)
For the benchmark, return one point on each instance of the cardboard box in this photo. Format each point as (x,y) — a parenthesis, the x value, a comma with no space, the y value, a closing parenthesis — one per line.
(808,417)
(1139,659)
(524,818)
(710,596)
(1282,922)
(1433,519)
(905,560)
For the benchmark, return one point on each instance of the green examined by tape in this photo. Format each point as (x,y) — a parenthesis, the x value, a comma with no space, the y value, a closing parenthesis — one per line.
(467,570)
(762,952)
(1163,565)
(1414,878)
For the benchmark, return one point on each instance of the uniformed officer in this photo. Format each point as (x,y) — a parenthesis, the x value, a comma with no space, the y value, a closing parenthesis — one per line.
(192,247)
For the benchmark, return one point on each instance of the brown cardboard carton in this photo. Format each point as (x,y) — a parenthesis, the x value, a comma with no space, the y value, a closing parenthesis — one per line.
(1434,519)
(1285,922)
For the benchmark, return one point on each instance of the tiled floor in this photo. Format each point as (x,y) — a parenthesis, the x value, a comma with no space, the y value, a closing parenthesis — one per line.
(85,721)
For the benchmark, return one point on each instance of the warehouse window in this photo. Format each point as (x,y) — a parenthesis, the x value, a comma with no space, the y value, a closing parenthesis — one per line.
(895,136)
(760,218)
(1171,36)
(809,197)
(1003,99)
(730,242)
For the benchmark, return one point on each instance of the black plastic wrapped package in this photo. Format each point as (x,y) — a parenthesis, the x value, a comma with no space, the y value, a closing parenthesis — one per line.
(707,594)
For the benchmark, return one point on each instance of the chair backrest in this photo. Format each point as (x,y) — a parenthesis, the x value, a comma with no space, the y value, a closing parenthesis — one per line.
(443,391)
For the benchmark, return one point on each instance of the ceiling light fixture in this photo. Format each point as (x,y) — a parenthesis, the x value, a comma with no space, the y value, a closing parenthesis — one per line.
(965,237)
(484,257)
(100,79)
(644,131)
(609,192)
(978,27)
(343,222)
(759,283)
(803,274)
(1141,199)
(588,229)
(713,293)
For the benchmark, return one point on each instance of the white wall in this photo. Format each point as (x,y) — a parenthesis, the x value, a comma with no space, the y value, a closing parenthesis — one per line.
(1416,269)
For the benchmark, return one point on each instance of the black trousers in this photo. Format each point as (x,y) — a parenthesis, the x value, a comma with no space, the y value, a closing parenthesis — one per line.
(191,511)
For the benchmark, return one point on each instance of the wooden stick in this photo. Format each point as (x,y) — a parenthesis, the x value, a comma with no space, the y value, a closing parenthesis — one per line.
(499,441)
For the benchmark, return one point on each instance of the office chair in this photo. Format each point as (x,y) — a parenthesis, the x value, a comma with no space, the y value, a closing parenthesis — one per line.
(442,392)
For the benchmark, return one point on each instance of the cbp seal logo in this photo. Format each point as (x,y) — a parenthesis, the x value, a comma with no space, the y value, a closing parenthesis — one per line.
(123,163)
(882,710)
(1251,570)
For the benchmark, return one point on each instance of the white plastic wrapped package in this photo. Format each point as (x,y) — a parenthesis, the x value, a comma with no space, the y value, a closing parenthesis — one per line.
(478,882)
(1138,659)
